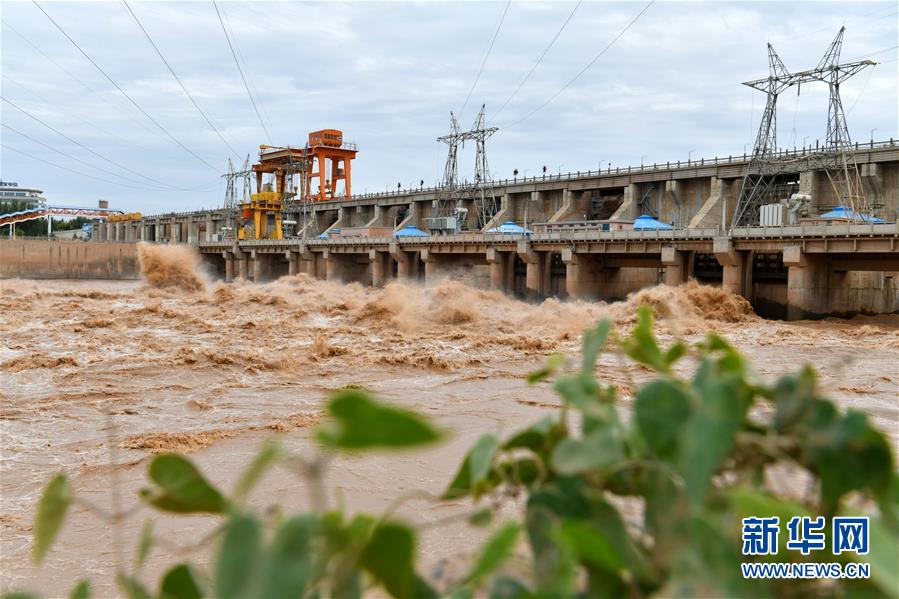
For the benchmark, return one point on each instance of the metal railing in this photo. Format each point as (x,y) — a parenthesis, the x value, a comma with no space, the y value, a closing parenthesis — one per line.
(576,175)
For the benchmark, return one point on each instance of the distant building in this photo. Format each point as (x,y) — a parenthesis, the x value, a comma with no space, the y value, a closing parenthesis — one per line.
(19,198)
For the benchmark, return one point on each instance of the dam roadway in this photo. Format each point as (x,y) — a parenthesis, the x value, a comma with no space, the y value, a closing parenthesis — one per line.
(814,268)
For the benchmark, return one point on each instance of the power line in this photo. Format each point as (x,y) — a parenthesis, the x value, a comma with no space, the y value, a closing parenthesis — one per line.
(130,99)
(76,159)
(71,115)
(874,53)
(178,79)
(539,60)
(858,97)
(243,61)
(585,69)
(486,56)
(240,70)
(84,147)
(75,78)
(65,168)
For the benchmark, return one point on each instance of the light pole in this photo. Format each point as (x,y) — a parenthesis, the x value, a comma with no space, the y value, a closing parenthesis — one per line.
(642,158)
(872,134)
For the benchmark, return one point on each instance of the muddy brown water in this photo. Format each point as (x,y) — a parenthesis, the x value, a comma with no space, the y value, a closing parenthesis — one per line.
(100,373)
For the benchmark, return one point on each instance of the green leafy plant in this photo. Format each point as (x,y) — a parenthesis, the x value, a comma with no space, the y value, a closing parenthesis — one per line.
(649,505)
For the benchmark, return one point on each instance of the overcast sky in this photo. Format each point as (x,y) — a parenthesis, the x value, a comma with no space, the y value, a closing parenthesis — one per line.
(388,74)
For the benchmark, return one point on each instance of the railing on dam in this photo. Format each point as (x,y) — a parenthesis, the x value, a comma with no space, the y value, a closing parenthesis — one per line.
(807,231)
(619,170)
(796,153)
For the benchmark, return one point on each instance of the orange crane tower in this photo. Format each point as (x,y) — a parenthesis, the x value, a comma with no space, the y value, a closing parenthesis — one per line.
(325,149)
(325,160)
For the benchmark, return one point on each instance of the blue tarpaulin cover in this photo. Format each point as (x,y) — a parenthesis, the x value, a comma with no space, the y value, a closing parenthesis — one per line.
(510,228)
(849,214)
(648,223)
(410,231)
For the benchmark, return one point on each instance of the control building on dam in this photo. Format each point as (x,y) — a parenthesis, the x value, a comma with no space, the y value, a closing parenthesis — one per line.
(581,241)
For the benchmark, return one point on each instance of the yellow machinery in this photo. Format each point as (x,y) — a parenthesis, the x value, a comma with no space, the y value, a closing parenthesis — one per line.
(255,216)
(124,217)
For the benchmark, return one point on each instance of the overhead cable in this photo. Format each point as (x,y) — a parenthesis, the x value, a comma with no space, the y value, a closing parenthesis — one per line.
(65,168)
(240,70)
(84,147)
(124,93)
(75,77)
(585,69)
(76,159)
(539,60)
(486,56)
(178,79)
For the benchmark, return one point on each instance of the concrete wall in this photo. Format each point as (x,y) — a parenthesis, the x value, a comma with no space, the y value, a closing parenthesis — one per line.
(42,259)
(864,291)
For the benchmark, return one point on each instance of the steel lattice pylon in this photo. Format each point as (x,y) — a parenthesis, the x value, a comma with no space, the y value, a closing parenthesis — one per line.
(231,205)
(448,195)
(837,159)
(482,189)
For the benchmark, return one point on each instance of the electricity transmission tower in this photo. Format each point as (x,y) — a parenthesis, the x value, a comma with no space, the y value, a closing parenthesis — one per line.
(482,190)
(448,195)
(232,205)
(759,185)
(844,174)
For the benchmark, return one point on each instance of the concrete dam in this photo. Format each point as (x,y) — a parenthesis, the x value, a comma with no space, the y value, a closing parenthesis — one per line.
(580,245)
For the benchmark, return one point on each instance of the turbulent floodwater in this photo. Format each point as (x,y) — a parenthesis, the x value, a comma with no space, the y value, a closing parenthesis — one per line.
(95,374)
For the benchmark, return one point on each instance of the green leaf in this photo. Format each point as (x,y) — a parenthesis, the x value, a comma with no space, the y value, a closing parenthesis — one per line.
(482,517)
(883,556)
(182,489)
(145,543)
(595,403)
(554,565)
(553,363)
(481,458)
(51,512)
(536,437)
(591,545)
(361,422)
(675,352)
(793,396)
(267,456)
(710,432)
(850,455)
(592,344)
(523,471)
(131,586)
(730,361)
(180,582)
(505,587)
(389,558)
(661,411)
(237,557)
(18,595)
(288,567)
(494,552)
(82,590)
(642,345)
(472,475)
(599,449)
